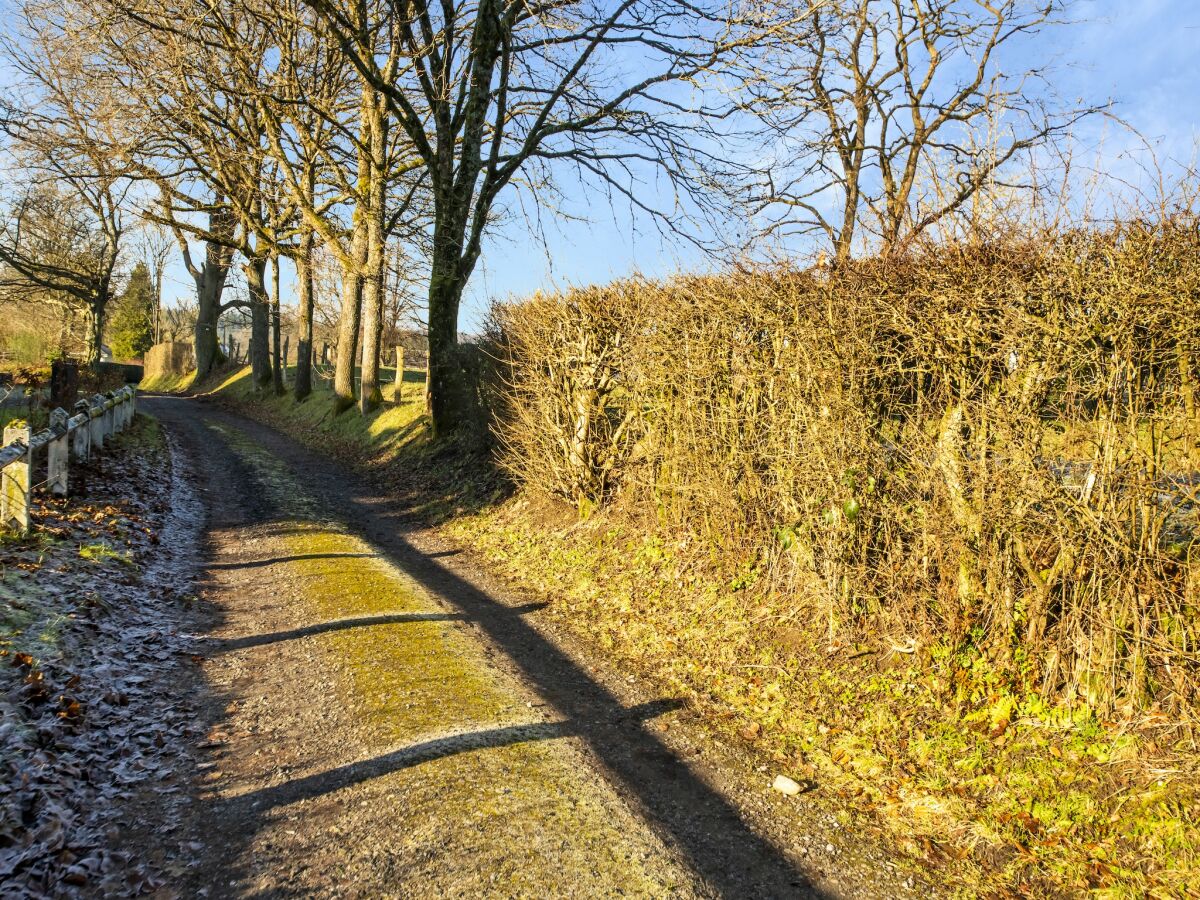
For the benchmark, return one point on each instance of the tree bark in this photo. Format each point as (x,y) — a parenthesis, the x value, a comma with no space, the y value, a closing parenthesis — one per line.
(370,394)
(303,384)
(276,328)
(445,391)
(210,287)
(208,313)
(260,358)
(349,321)
(95,331)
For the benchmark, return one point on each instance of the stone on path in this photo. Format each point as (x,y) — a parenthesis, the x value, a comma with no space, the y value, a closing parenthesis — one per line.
(786,786)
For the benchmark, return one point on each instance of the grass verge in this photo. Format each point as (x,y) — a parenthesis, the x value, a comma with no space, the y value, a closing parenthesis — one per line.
(1019,796)
(168,384)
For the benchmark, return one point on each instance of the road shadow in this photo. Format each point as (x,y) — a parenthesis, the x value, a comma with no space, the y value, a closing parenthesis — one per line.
(702,824)
(277,560)
(259,803)
(226,645)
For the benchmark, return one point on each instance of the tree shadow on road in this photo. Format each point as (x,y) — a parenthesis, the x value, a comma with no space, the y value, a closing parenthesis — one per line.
(259,803)
(278,560)
(704,825)
(225,645)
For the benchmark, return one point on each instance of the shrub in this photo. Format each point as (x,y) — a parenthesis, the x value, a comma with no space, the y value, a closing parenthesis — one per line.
(993,445)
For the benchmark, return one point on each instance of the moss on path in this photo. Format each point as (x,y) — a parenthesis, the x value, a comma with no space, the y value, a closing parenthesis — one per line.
(368,744)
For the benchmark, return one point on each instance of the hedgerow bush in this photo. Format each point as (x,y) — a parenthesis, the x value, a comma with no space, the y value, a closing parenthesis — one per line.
(988,444)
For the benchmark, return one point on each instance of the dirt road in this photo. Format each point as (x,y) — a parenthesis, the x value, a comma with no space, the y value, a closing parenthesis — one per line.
(384,720)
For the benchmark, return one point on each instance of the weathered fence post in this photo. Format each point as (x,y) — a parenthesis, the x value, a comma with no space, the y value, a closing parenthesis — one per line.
(81,441)
(110,425)
(399,393)
(119,409)
(57,453)
(15,481)
(96,425)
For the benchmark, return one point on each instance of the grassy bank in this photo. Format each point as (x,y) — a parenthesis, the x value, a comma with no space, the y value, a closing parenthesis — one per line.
(440,480)
(168,384)
(1001,788)
(1022,795)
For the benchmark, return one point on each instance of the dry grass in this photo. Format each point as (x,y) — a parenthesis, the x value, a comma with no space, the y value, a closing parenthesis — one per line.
(923,528)
(992,445)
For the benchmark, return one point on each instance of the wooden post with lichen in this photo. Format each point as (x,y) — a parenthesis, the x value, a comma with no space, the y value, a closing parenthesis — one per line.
(398,396)
(57,454)
(81,437)
(15,480)
(96,422)
(109,419)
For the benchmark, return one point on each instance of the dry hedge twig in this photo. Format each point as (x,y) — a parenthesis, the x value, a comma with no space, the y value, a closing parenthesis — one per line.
(993,443)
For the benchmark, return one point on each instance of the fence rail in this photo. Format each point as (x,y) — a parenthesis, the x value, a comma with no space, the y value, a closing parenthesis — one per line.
(68,439)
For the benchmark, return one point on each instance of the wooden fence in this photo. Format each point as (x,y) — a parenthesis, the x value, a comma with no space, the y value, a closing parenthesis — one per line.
(68,439)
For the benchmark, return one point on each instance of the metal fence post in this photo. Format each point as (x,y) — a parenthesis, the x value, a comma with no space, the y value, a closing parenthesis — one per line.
(57,453)
(15,481)
(81,437)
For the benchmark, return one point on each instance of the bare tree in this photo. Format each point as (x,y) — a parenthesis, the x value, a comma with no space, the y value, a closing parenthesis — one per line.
(154,245)
(321,116)
(890,115)
(487,89)
(204,146)
(54,251)
(219,235)
(59,127)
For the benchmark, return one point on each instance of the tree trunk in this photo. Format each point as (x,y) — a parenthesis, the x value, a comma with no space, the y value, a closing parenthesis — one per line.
(260,357)
(349,321)
(370,394)
(277,360)
(95,331)
(210,287)
(304,343)
(158,277)
(445,391)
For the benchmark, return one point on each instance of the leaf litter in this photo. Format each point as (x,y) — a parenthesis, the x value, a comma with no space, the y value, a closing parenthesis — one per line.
(93,740)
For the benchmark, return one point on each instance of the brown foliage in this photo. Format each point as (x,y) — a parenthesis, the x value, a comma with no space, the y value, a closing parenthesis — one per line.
(991,443)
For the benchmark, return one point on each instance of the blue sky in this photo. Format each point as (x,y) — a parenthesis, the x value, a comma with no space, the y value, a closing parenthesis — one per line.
(1144,55)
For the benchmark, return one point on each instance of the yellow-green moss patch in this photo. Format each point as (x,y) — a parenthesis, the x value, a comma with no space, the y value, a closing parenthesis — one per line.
(502,805)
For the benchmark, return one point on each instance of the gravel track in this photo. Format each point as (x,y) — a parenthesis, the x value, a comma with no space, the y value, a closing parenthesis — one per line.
(386,719)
